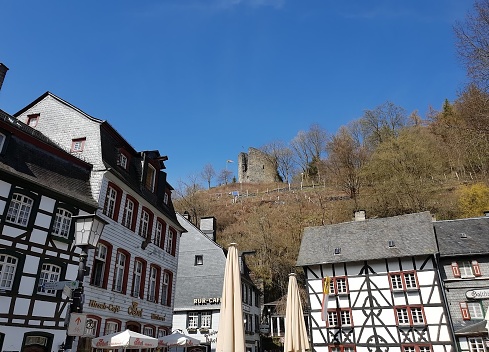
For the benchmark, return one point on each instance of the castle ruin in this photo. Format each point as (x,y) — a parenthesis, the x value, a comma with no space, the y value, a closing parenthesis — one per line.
(256,167)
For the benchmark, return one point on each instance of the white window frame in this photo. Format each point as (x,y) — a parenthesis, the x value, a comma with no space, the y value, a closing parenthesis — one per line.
(62,223)
(8,268)
(466,269)
(19,209)
(475,310)
(144,224)
(153,275)
(165,288)
(158,233)
(206,320)
(100,261)
(128,213)
(333,319)
(403,316)
(111,327)
(193,320)
(49,273)
(169,240)
(138,278)
(148,331)
(110,200)
(123,161)
(476,344)
(120,267)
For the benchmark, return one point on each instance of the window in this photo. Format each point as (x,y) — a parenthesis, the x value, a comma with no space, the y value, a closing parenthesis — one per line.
(161,333)
(100,265)
(32,120)
(205,320)
(341,348)
(410,316)
(49,273)
(466,269)
(339,317)
(77,145)
(476,344)
(170,242)
(150,178)
(122,161)
(404,281)
(471,310)
(199,260)
(154,282)
(193,320)
(157,240)
(338,285)
(62,223)
(19,209)
(166,289)
(128,214)
(165,198)
(2,141)
(8,266)
(120,266)
(416,348)
(145,223)
(111,327)
(138,278)
(91,327)
(110,202)
(149,331)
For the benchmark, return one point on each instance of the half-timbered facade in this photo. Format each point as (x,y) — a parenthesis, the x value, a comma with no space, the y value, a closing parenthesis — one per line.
(132,281)
(373,286)
(464,266)
(41,188)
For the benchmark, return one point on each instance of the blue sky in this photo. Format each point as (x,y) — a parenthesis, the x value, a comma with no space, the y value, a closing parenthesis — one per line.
(203,80)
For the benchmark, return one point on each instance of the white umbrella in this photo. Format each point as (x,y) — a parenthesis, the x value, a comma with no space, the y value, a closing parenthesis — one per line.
(230,337)
(177,339)
(124,339)
(295,328)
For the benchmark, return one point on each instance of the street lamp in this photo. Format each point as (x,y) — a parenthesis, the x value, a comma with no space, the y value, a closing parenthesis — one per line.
(88,229)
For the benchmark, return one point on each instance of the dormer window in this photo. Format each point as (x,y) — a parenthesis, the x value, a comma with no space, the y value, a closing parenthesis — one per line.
(77,145)
(2,141)
(123,159)
(32,120)
(337,251)
(165,198)
(150,178)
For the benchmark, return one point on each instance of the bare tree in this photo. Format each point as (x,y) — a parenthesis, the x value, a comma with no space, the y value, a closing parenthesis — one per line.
(225,176)
(281,157)
(189,198)
(208,174)
(309,147)
(382,123)
(473,43)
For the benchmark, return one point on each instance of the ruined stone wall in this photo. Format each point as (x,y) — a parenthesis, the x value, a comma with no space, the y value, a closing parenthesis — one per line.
(256,167)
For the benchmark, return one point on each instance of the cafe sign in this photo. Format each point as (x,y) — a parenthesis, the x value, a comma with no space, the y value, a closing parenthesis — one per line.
(478,294)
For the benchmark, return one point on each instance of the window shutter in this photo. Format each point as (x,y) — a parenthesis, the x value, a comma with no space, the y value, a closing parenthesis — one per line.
(476,268)
(455,270)
(465,311)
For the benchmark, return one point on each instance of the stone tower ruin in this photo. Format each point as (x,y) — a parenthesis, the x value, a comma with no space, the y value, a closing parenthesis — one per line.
(256,167)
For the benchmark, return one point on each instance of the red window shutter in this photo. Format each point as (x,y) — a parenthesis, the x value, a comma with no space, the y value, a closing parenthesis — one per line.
(476,268)
(455,269)
(465,311)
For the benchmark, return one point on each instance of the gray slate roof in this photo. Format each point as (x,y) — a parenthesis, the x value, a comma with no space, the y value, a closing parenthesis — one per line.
(368,240)
(451,241)
(37,164)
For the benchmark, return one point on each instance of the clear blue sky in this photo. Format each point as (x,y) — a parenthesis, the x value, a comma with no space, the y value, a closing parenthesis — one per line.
(203,80)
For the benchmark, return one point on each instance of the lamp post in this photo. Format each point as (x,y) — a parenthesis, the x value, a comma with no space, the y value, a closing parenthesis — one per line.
(88,229)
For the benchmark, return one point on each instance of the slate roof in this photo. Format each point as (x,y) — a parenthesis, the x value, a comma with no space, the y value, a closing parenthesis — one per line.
(463,236)
(31,156)
(471,328)
(198,281)
(368,240)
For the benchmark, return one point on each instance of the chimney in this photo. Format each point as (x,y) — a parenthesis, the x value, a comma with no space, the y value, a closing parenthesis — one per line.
(3,72)
(186,215)
(208,227)
(486,212)
(359,215)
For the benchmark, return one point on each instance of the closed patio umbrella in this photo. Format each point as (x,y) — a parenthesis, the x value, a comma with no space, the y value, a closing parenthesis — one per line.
(230,337)
(295,327)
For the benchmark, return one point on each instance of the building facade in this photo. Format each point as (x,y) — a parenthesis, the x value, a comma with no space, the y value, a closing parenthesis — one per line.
(374,286)
(200,277)
(464,266)
(41,188)
(132,281)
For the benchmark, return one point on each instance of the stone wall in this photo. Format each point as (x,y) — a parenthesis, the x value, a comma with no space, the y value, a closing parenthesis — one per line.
(256,167)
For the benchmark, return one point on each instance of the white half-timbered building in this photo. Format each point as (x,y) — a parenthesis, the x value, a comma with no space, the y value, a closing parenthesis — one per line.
(133,269)
(41,187)
(374,286)
(464,266)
